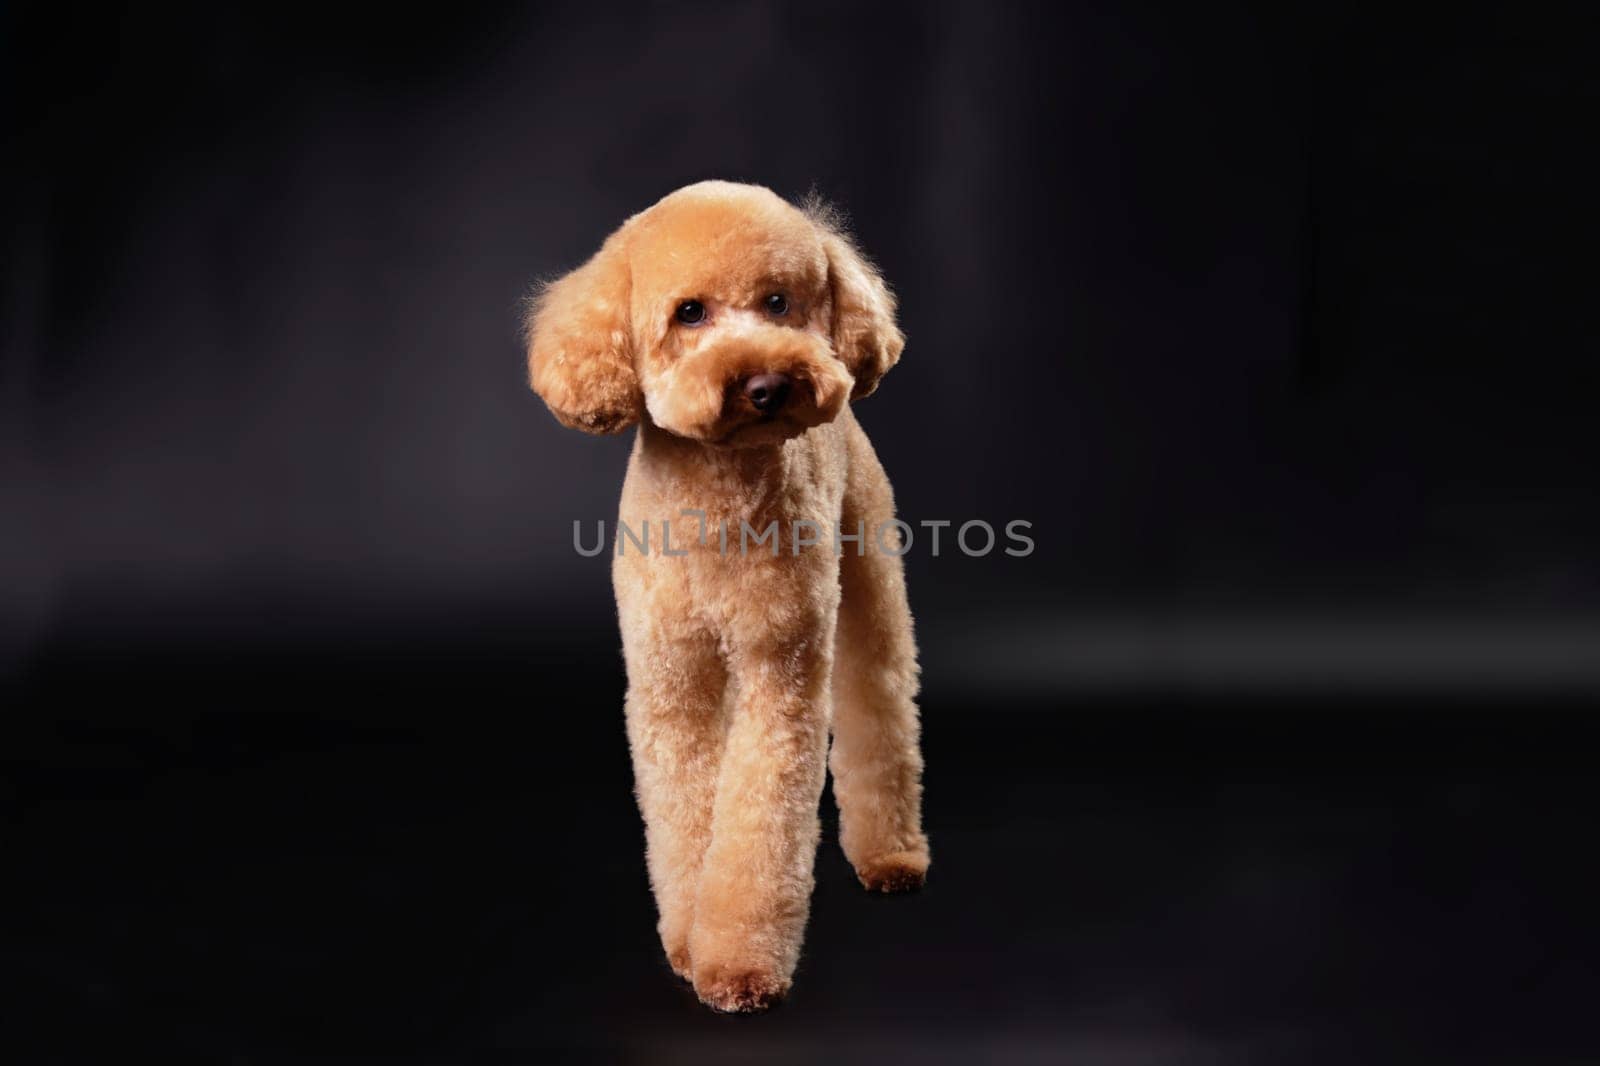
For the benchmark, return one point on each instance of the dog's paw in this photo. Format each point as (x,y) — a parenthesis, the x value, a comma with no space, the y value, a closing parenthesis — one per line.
(678,959)
(739,991)
(898,871)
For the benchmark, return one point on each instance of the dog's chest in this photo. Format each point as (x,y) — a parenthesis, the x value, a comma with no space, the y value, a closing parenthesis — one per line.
(714,497)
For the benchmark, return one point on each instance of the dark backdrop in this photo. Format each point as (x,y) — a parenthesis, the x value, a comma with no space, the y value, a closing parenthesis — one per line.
(1274,322)
(1245,310)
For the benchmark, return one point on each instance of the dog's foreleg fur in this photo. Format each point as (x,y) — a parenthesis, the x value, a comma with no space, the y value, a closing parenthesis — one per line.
(675,732)
(755,886)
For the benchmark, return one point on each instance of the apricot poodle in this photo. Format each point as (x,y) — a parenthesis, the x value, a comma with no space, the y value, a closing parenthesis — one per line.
(734,329)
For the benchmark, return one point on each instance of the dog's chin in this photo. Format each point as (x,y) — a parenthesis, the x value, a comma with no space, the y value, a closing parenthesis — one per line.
(763,432)
(745,430)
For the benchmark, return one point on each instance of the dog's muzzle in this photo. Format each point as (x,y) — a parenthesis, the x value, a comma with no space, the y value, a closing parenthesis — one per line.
(768,393)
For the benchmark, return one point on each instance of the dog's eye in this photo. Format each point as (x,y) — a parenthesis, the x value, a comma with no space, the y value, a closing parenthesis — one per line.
(777,304)
(691,312)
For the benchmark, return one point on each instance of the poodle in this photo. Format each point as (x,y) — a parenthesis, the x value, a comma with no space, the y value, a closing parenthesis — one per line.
(734,329)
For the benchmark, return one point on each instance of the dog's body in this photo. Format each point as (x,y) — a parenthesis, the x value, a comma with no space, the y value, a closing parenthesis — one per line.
(734,327)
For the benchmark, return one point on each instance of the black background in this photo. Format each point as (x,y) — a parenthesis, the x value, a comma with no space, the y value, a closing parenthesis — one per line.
(1275,323)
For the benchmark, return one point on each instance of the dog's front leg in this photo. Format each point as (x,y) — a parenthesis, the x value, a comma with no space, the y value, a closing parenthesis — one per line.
(755,886)
(676,684)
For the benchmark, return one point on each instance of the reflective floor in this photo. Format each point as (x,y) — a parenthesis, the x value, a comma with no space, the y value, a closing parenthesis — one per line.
(404,858)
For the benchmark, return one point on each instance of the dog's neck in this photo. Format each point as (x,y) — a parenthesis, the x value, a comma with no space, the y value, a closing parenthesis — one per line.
(758,465)
(728,484)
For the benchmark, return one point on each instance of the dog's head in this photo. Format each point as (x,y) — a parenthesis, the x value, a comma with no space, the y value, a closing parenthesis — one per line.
(727,314)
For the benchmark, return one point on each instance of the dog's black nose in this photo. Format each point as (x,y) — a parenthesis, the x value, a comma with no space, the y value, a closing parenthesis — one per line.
(768,391)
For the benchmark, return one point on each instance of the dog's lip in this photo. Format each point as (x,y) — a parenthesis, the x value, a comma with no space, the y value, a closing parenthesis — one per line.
(783,416)
(776,419)
(740,428)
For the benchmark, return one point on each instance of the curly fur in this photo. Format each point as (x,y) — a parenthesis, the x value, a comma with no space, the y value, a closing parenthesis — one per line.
(740,665)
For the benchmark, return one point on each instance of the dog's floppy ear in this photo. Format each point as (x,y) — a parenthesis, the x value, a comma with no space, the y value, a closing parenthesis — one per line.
(580,345)
(865,335)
